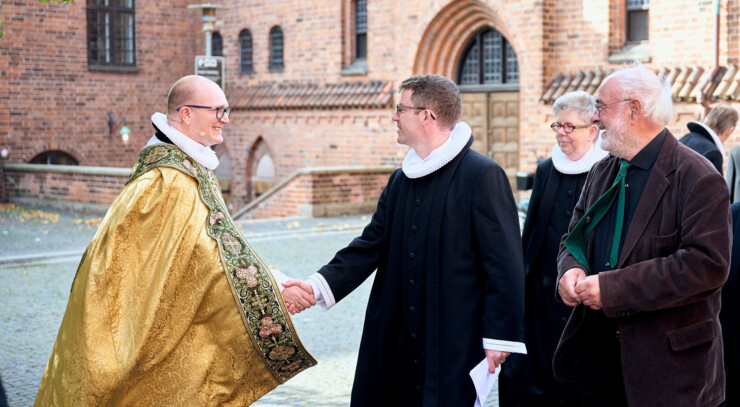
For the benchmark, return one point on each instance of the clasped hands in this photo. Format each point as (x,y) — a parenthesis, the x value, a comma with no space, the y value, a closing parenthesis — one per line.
(575,288)
(298,296)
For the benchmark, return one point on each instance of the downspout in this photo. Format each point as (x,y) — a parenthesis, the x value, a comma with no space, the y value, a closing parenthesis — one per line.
(702,97)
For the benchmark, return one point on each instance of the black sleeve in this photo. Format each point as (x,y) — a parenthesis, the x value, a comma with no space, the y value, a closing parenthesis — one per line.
(499,244)
(352,265)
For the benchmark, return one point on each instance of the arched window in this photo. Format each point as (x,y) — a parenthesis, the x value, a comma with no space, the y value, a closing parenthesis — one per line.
(245,46)
(488,59)
(276,49)
(217,44)
(54,157)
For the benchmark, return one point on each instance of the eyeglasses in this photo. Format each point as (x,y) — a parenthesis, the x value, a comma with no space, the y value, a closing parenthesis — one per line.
(399,110)
(220,111)
(600,107)
(568,127)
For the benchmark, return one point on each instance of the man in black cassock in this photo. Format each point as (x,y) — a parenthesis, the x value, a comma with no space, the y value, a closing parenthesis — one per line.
(445,240)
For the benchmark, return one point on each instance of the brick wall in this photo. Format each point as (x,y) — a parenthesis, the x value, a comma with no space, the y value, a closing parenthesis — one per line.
(54,102)
(323,192)
(310,139)
(50,100)
(89,188)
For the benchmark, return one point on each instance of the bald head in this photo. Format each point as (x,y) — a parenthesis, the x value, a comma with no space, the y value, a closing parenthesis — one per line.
(186,90)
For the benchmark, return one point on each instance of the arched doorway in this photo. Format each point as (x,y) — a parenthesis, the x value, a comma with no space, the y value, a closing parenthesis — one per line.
(488,78)
(260,169)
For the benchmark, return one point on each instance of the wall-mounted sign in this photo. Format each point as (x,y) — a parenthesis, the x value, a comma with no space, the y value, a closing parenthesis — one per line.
(210,67)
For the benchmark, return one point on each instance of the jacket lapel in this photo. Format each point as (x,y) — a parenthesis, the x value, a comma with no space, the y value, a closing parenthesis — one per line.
(654,189)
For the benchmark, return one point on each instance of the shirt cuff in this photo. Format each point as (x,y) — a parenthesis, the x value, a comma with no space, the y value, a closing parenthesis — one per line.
(321,291)
(504,346)
(280,278)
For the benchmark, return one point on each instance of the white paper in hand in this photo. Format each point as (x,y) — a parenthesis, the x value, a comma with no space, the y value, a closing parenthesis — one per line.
(483,381)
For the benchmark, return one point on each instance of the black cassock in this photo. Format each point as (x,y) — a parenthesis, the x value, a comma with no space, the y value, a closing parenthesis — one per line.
(528,380)
(448,253)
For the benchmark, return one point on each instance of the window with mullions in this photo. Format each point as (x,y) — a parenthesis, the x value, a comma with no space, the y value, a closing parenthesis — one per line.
(111,34)
(276,49)
(245,46)
(488,59)
(361,29)
(217,44)
(637,20)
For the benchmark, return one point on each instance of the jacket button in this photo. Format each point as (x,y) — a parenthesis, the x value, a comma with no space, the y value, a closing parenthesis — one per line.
(412,309)
(412,255)
(568,213)
(414,228)
(418,202)
(571,193)
(412,283)
(413,336)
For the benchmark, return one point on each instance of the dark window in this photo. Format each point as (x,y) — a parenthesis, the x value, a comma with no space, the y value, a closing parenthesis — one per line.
(361,29)
(245,46)
(217,44)
(488,59)
(276,48)
(637,20)
(54,157)
(111,33)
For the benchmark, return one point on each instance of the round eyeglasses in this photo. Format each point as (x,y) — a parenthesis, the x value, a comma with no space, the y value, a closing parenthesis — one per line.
(567,127)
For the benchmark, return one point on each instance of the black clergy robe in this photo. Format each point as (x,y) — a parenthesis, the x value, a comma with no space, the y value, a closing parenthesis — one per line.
(448,255)
(527,380)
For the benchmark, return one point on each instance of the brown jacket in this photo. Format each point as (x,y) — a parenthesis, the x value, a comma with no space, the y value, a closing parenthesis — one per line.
(664,293)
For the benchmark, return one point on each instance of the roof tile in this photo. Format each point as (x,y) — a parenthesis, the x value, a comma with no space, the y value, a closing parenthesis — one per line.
(685,81)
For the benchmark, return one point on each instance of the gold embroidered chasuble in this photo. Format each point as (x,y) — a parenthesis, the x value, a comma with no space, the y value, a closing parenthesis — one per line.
(170,305)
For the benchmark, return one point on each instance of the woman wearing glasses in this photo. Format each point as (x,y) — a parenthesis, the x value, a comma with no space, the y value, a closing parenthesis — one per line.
(527,380)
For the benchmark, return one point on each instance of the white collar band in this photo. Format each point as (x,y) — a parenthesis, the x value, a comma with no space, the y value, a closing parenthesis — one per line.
(198,152)
(416,167)
(714,136)
(564,165)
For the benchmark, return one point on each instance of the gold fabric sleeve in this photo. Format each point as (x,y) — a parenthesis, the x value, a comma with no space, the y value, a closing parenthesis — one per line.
(152,319)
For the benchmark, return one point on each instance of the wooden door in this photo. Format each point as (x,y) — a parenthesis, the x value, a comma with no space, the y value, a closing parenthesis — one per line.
(475,113)
(503,111)
(494,118)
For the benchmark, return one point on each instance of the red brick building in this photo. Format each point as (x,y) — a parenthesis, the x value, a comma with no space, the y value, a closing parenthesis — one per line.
(312,83)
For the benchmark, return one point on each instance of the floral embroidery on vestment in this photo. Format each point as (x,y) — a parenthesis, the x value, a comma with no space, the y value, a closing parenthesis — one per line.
(255,290)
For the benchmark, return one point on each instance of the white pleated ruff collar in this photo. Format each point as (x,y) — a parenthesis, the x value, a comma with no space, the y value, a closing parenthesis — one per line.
(416,167)
(198,152)
(584,164)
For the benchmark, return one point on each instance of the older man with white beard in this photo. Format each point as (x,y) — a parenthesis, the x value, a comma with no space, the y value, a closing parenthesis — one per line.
(646,254)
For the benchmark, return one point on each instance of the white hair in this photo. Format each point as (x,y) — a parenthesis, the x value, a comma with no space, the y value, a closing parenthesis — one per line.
(579,101)
(639,83)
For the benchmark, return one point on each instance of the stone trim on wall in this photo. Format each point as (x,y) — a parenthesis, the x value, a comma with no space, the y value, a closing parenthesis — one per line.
(79,188)
(321,192)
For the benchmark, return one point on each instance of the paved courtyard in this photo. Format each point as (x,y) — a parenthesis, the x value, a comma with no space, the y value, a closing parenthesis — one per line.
(39,253)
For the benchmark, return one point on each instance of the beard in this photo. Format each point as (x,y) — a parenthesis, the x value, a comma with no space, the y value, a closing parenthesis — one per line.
(615,138)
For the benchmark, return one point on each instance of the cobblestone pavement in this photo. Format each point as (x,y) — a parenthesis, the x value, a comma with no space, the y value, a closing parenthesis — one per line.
(34,294)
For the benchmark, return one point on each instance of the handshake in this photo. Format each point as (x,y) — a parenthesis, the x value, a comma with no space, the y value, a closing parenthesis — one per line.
(298,296)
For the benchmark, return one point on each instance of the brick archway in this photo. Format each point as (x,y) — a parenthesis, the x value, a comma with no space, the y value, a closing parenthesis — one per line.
(63,147)
(445,38)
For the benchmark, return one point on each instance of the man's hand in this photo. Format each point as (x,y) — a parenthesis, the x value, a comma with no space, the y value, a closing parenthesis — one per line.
(567,285)
(298,296)
(589,293)
(495,359)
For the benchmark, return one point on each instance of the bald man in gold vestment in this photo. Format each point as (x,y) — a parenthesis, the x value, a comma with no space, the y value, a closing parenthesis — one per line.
(170,305)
